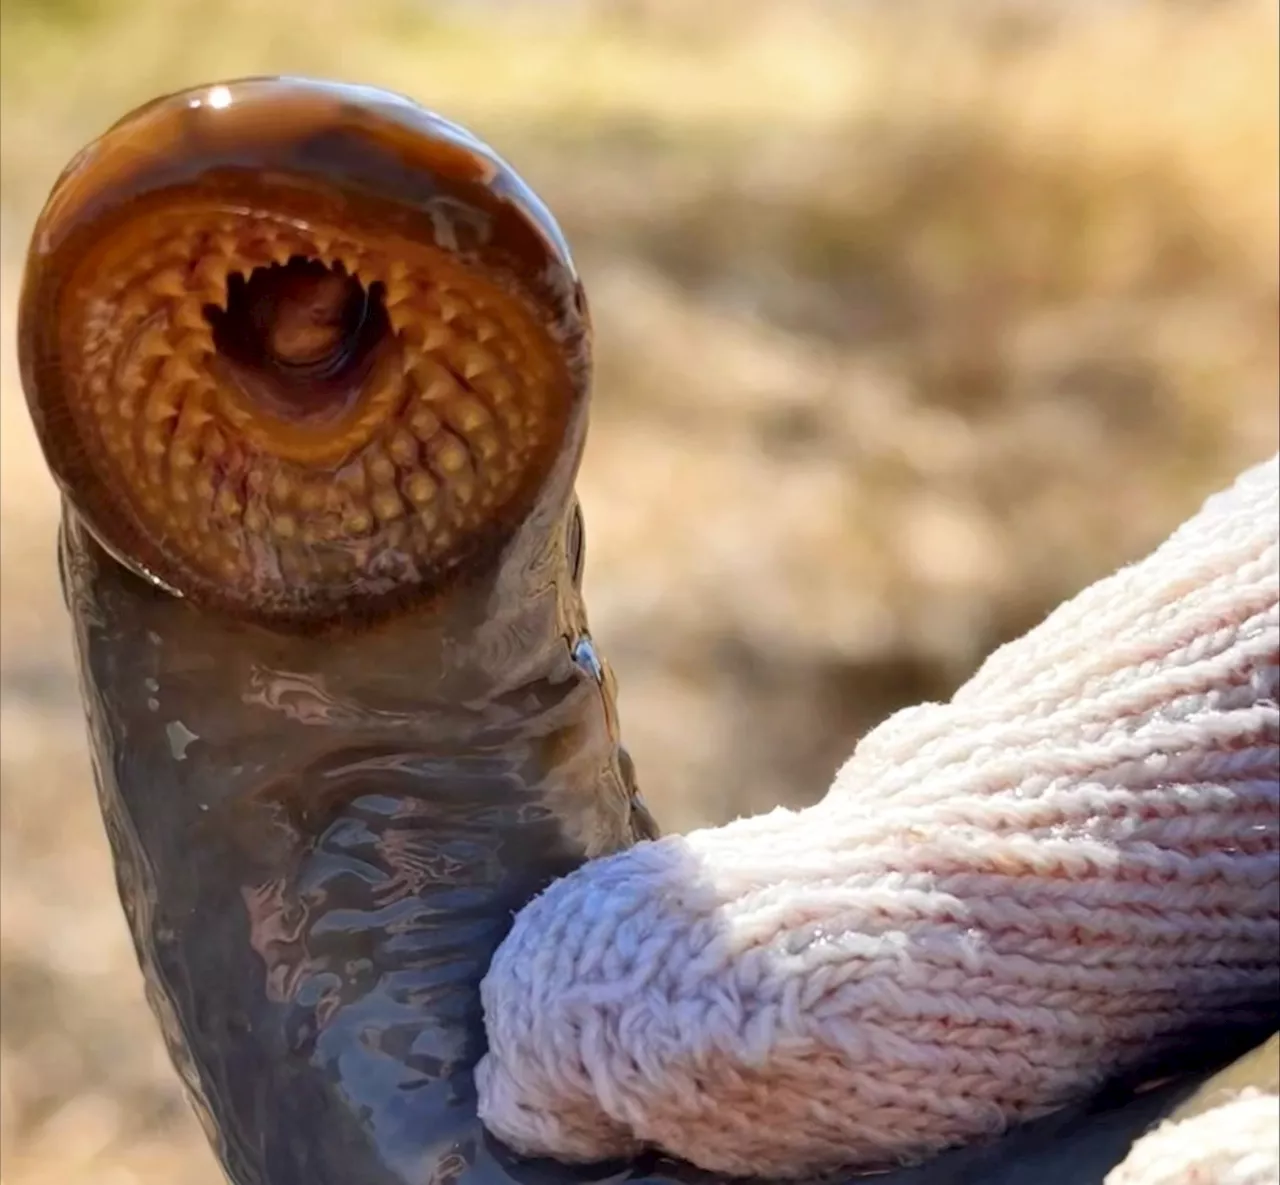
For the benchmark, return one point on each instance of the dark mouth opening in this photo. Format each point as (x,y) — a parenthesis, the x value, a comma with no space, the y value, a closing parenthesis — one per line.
(300,337)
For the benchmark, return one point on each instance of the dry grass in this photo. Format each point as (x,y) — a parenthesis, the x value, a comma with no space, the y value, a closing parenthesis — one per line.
(909,325)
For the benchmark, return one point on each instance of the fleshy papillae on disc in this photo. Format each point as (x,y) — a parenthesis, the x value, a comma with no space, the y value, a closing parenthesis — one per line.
(293,347)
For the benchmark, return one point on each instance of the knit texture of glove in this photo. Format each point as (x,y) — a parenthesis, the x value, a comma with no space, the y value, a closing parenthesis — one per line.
(1000,901)
(1237,1143)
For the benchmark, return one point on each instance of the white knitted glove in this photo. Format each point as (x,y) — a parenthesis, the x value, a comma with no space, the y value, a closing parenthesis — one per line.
(1237,1143)
(999,901)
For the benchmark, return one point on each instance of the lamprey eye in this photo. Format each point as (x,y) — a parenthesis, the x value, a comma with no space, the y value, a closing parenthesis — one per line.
(293,347)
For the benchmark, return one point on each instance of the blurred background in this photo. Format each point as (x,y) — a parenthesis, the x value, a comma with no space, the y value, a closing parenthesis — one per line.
(913,318)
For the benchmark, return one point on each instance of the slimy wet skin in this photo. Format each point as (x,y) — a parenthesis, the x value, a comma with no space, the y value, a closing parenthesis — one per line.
(310,366)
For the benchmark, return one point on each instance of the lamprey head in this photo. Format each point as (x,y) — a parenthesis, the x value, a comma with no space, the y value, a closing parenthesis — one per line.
(301,352)
(310,365)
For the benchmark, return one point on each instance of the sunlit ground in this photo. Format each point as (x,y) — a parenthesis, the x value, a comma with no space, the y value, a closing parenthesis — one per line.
(909,324)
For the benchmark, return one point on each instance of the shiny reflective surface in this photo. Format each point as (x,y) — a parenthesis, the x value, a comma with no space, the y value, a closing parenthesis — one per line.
(318,848)
(327,789)
(300,351)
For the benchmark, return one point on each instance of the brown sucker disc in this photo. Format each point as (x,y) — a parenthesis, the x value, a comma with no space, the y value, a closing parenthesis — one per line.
(293,347)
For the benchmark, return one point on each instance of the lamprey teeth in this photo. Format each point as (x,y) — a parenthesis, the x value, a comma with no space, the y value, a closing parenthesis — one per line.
(387,505)
(421,489)
(403,448)
(283,386)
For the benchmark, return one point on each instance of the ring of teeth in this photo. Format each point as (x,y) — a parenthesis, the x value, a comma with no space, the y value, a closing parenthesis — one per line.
(455,414)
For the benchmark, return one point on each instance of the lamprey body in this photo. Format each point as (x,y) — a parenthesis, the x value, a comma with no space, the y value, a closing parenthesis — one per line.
(311,367)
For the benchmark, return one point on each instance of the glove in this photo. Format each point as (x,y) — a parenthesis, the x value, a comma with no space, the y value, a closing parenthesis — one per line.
(1000,902)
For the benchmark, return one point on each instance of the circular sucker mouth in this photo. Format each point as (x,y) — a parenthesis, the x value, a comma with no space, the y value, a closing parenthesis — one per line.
(311,353)
(301,334)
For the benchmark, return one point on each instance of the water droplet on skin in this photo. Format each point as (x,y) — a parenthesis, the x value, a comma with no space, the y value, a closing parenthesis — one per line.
(180,738)
(584,654)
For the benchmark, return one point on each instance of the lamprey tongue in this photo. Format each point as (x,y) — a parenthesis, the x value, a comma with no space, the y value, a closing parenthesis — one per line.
(311,368)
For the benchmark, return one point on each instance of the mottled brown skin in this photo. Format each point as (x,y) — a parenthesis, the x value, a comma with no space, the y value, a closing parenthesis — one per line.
(322,558)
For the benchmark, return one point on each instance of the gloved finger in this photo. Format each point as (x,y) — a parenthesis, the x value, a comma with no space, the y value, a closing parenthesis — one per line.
(1001,901)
